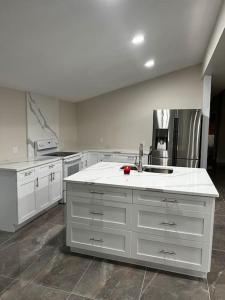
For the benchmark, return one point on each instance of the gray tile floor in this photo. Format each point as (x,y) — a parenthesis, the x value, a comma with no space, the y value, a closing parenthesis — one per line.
(35,264)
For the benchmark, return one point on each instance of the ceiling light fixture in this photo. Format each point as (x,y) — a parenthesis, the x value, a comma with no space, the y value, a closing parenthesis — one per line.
(138,39)
(150,63)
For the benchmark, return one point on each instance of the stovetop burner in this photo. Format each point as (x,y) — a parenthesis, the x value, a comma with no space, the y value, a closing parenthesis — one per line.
(61,154)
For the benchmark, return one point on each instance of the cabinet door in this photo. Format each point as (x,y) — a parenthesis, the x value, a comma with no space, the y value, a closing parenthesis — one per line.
(107,157)
(123,158)
(55,186)
(93,158)
(103,240)
(26,201)
(99,213)
(42,192)
(178,253)
(84,161)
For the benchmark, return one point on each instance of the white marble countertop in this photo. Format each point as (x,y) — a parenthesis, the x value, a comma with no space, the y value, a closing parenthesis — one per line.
(18,166)
(113,151)
(183,180)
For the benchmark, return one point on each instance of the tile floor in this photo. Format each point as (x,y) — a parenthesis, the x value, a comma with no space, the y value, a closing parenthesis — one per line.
(35,264)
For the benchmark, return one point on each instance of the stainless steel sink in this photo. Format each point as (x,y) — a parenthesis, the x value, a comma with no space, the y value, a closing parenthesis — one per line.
(150,169)
(157,170)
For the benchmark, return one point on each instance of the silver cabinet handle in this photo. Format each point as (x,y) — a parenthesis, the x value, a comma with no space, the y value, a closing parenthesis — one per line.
(170,201)
(28,173)
(168,223)
(167,252)
(96,213)
(96,240)
(37,182)
(53,176)
(51,166)
(98,193)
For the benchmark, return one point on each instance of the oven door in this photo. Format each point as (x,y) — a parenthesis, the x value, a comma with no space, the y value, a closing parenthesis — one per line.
(72,166)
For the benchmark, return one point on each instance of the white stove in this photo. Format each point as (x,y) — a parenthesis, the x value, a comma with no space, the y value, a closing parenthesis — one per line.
(72,161)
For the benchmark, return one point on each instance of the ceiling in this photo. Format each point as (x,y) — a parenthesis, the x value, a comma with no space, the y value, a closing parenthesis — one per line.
(78,49)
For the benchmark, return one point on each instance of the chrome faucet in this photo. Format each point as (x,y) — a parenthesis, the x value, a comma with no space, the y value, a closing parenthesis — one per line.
(139,163)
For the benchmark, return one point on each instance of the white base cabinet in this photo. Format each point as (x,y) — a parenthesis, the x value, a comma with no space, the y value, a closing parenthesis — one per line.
(148,228)
(25,194)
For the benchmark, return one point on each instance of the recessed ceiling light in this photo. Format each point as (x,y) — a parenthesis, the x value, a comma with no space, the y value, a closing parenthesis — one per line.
(138,39)
(150,63)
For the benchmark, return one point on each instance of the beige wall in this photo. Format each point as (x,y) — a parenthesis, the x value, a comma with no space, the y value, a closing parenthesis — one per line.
(122,119)
(67,125)
(12,124)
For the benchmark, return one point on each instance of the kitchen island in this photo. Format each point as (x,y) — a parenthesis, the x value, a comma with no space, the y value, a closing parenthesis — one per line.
(160,220)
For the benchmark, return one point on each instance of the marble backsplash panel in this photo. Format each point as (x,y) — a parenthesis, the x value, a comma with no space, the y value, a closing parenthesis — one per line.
(42,120)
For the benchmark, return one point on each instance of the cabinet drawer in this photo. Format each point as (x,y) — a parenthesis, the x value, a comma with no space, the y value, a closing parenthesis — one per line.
(99,213)
(110,241)
(48,168)
(173,252)
(25,176)
(173,201)
(55,166)
(184,225)
(122,158)
(106,157)
(98,192)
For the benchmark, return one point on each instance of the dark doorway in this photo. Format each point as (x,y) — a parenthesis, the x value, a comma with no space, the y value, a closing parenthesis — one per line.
(216,150)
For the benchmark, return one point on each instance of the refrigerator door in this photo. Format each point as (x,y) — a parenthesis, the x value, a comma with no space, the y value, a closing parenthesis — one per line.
(162,139)
(161,161)
(189,163)
(187,134)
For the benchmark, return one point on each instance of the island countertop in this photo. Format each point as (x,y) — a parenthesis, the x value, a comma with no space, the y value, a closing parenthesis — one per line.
(190,181)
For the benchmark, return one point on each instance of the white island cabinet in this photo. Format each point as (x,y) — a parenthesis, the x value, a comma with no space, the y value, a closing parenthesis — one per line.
(160,220)
(27,188)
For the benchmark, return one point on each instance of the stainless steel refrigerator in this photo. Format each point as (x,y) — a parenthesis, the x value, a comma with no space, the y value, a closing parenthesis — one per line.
(176,139)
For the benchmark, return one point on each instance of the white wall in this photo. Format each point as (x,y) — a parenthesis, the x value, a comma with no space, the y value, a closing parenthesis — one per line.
(206,98)
(67,125)
(216,35)
(42,120)
(122,119)
(12,124)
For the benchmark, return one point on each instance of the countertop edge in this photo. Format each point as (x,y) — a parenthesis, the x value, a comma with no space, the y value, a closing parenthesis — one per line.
(39,163)
(144,189)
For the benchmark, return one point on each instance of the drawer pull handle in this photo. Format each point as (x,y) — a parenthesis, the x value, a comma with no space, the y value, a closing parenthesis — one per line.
(170,201)
(96,213)
(37,182)
(97,193)
(167,252)
(97,240)
(28,173)
(168,223)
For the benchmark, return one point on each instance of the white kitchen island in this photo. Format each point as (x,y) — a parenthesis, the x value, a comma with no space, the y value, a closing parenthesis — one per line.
(164,221)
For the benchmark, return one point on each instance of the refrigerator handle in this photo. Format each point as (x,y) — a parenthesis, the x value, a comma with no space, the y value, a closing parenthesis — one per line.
(175,140)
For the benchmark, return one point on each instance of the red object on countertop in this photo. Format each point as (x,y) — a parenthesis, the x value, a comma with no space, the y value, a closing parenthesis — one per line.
(126,170)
